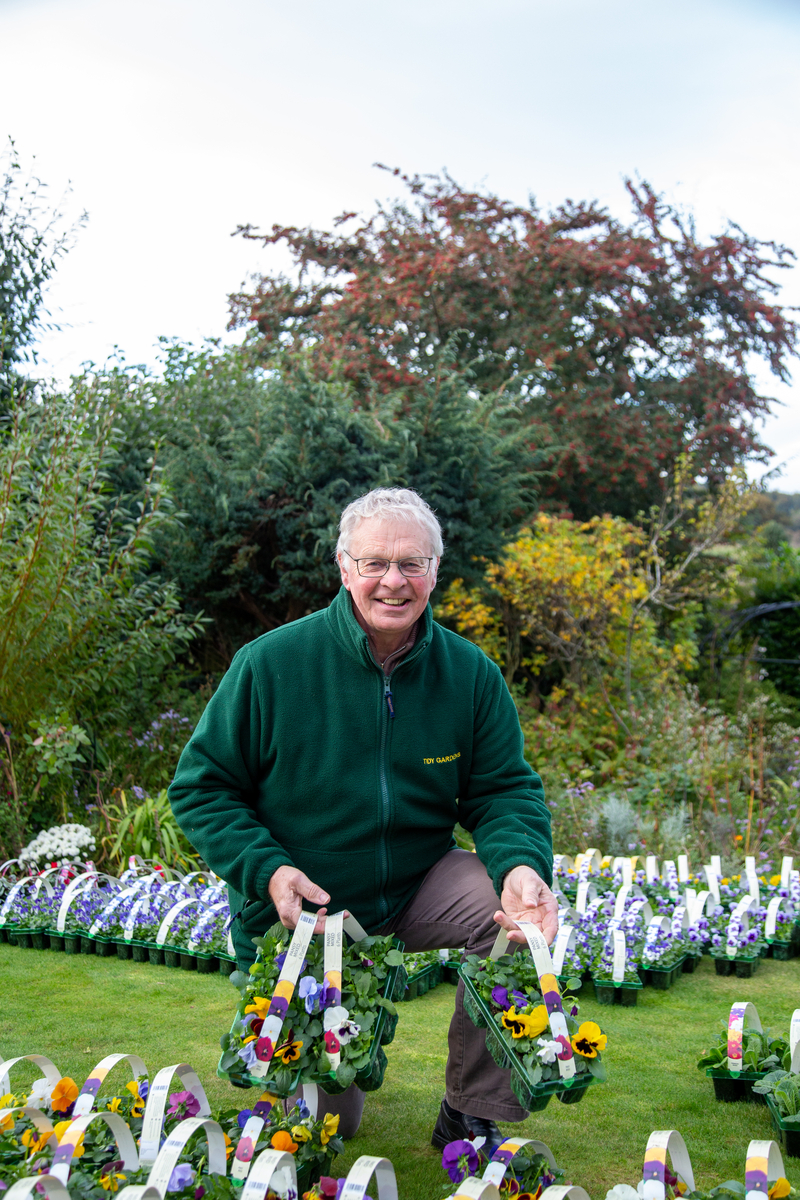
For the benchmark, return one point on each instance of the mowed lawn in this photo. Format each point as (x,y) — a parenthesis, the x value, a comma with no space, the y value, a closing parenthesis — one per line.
(78,1009)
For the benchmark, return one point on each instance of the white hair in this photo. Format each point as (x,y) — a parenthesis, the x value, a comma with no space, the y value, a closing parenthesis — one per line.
(391,504)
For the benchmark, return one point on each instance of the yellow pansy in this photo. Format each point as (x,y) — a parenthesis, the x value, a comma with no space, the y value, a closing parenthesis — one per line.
(301,1134)
(114,1105)
(258,1005)
(330,1125)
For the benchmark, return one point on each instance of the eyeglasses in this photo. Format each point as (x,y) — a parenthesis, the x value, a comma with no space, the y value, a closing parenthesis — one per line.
(374,568)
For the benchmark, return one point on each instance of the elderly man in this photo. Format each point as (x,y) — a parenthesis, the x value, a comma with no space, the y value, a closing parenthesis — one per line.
(337,755)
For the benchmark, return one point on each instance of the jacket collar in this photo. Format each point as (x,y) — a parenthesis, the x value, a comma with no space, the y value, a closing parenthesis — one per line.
(349,634)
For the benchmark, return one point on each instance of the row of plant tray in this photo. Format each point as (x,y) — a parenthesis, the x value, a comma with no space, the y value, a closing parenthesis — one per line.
(72,942)
(532,1096)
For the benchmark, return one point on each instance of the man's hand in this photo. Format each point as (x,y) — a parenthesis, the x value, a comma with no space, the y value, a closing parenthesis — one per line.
(526,897)
(288,887)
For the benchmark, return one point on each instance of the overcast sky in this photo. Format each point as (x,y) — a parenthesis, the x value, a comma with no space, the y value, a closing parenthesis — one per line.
(177,120)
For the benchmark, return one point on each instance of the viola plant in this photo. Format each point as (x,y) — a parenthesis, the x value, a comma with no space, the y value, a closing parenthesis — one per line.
(760,1051)
(527,1173)
(784,1088)
(318,1023)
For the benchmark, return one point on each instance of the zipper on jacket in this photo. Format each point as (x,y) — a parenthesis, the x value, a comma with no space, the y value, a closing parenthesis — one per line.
(387,713)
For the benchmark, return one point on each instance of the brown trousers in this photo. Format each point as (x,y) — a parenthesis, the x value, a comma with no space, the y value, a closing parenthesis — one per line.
(454,906)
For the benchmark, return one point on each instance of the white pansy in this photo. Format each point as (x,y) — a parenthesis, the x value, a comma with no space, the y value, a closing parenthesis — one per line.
(548,1050)
(333,1017)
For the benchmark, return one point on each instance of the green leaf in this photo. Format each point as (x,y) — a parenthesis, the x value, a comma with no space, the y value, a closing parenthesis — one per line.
(394,958)
(345,1074)
(597,1068)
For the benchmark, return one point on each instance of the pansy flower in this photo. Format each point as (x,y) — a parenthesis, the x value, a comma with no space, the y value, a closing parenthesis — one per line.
(283,1141)
(258,1005)
(182,1176)
(548,1050)
(64,1095)
(589,1040)
(184,1104)
(111,1180)
(330,1124)
(289,1052)
(309,990)
(525,1024)
(243,1117)
(780,1188)
(248,1054)
(460,1159)
(301,1133)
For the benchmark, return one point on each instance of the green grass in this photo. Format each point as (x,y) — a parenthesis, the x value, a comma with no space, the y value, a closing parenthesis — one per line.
(77,1009)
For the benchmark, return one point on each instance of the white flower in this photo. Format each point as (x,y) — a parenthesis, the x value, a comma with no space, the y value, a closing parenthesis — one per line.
(333,1017)
(622,1191)
(548,1050)
(346,1032)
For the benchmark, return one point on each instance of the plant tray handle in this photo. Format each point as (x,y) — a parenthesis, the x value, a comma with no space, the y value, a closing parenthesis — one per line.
(40,1120)
(169,1153)
(359,1175)
(62,1159)
(88,1093)
(741,1011)
(764,1165)
(245,1147)
(661,1143)
(153,1121)
(51,1185)
(474,1188)
(569,1191)
(50,1072)
(540,953)
(270,1034)
(496,1169)
(269,1165)
(739,923)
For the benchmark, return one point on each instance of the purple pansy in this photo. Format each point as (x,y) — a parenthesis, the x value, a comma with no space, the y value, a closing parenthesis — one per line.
(182,1176)
(460,1159)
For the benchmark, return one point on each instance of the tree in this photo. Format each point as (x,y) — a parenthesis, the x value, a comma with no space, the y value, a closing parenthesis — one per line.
(632,343)
(31,243)
(85,626)
(261,466)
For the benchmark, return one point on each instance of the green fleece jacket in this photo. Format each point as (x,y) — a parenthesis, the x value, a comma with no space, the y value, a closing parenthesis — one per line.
(308,755)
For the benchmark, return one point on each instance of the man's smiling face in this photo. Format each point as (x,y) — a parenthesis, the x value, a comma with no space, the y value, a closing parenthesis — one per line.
(388,607)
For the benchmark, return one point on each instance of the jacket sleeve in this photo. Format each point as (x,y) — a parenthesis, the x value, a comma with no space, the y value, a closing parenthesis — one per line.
(216,783)
(504,807)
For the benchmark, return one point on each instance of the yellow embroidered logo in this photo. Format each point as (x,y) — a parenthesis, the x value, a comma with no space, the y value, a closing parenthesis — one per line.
(445,758)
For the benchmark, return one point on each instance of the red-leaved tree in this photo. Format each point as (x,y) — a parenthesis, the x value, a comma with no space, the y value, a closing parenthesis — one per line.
(632,343)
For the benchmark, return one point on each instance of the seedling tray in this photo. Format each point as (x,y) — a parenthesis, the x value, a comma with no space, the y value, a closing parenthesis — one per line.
(732,1086)
(532,1096)
(369,1078)
(626,994)
(783,951)
(787,1135)
(422,981)
(662,978)
(742,968)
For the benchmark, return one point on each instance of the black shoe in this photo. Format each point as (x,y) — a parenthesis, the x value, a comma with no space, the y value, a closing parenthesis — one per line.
(451,1125)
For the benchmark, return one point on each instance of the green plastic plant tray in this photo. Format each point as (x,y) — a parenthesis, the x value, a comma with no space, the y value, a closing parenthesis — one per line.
(532,1096)
(56,939)
(22,937)
(422,981)
(742,968)
(626,994)
(663,978)
(368,1079)
(783,951)
(104,947)
(690,963)
(732,1086)
(450,972)
(39,940)
(787,1134)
